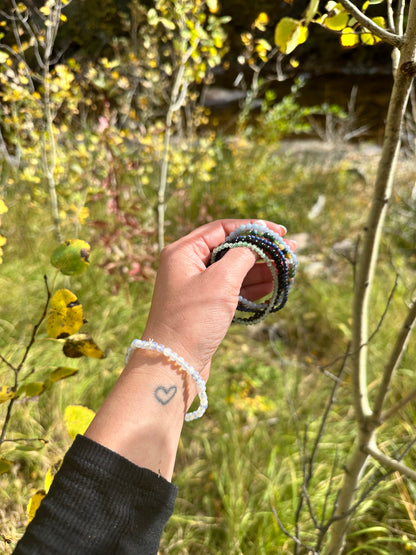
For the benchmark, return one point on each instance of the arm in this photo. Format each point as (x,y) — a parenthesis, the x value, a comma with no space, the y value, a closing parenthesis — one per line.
(191,311)
(114,485)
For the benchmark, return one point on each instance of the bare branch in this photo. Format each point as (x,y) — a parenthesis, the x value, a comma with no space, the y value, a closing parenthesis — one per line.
(35,327)
(7,363)
(395,357)
(386,36)
(296,540)
(398,406)
(388,462)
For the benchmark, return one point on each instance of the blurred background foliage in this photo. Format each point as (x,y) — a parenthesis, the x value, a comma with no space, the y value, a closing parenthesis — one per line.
(106,93)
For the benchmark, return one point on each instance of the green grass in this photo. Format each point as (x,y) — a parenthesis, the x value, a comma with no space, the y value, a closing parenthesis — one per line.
(241,463)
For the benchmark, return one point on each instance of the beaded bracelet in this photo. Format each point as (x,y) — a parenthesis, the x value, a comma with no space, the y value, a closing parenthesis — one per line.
(151,345)
(279,258)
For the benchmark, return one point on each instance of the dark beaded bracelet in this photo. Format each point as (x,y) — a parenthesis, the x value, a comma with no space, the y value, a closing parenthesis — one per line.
(276,254)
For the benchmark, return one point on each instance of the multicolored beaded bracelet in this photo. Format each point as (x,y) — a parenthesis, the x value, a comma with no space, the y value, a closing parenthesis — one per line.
(279,258)
(151,345)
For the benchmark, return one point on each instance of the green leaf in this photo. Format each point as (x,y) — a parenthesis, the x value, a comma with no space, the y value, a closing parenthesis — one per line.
(5,465)
(60,373)
(311,10)
(167,23)
(32,445)
(77,419)
(213,6)
(72,257)
(6,393)
(289,33)
(65,315)
(82,344)
(31,389)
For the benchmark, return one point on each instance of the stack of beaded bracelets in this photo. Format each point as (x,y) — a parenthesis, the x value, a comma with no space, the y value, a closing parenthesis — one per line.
(151,345)
(278,256)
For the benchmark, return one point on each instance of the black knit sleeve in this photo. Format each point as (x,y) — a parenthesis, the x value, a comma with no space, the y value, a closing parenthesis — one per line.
(100,503)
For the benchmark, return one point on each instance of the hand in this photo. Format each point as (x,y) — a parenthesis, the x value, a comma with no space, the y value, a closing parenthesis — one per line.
(193,305)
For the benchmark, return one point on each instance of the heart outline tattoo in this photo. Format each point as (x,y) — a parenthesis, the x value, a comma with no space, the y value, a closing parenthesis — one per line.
(165,394)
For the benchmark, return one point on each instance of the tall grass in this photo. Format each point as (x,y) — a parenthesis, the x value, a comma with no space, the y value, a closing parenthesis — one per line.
(242,464)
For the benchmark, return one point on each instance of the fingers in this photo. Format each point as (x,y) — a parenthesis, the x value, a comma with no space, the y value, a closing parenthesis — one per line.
(204,239)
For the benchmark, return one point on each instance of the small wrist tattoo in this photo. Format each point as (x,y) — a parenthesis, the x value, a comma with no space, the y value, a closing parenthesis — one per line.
(165,394)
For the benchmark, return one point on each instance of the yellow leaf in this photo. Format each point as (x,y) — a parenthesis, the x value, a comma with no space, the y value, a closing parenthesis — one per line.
(337,22)
(82,344)
(77,419)
(213,6)
(60,373)
(50,474)
(71,257)
(83,215)
(349,38)
(3,207)
(289,33)
(261,21)
(65,315)
(34,504)
(368,39)
(3,240)
(6,393)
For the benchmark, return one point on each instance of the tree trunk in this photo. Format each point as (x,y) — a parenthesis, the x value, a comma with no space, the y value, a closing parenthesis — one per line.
(365,275)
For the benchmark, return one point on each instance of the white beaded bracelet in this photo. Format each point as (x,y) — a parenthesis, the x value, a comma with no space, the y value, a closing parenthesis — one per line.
(151,345)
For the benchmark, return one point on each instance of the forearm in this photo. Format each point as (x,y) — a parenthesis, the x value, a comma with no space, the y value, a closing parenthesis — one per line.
(142,418)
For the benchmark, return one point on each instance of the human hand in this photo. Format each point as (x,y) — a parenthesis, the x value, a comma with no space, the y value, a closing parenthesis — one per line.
(193,303)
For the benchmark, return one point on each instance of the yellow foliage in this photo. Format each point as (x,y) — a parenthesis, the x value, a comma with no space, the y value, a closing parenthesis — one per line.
(34,504)
(77,419)
(289,33)
(261,21)
(3,207)
(6,393)
(82,344)
(349,38)
(65,315)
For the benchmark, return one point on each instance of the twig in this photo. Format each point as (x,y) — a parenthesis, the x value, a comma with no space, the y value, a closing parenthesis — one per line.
(395,358)
(398,406)
(388,462)
(286,532)
(8,363)
(35,327)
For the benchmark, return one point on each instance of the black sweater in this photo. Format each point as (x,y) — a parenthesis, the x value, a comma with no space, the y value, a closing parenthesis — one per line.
(100,503)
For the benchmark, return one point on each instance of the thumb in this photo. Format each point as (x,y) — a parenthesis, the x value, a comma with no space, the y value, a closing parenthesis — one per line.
(233,267)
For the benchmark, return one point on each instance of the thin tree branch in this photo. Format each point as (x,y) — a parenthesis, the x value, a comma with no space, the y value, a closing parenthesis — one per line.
(35,328)
(8,363)
(395,358)
(388,462)
(398,406)
(296,540)
(386,36)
